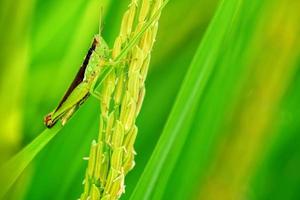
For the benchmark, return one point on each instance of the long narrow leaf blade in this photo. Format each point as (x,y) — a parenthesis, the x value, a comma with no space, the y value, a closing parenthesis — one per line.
(15,166)
(169,147)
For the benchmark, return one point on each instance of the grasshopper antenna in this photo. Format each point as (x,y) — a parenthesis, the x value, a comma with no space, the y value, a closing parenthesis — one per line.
(101,20)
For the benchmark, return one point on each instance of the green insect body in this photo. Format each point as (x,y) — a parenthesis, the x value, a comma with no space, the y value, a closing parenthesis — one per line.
(83,84)
(96,64)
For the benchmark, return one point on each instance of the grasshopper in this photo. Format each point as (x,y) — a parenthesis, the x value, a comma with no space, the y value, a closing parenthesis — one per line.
(83,84)
(96,63)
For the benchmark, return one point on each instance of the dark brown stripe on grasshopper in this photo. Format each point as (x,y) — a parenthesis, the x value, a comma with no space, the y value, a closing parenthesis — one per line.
(49,122)
(80,74)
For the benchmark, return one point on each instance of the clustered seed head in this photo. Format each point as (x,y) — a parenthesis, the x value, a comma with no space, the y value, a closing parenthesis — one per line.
(122,94)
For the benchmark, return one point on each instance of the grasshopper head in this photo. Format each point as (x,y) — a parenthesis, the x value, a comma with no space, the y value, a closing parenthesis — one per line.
(101,47)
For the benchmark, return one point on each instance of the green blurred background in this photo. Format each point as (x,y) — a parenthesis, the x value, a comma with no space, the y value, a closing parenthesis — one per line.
(244,139)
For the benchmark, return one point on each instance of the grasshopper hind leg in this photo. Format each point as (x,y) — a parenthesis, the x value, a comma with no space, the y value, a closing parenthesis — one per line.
(68,114)
(65,118)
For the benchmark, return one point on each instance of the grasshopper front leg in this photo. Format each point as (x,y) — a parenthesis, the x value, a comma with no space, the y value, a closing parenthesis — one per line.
(97,83)
(95,94)
(93,89)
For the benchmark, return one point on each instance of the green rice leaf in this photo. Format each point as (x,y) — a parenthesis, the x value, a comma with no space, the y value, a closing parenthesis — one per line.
(11,170)
(175,132)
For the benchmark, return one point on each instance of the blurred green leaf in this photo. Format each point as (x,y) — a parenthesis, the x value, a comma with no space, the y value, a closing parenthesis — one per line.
(223,123)
(163,159)
(11,170)
(241,137)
